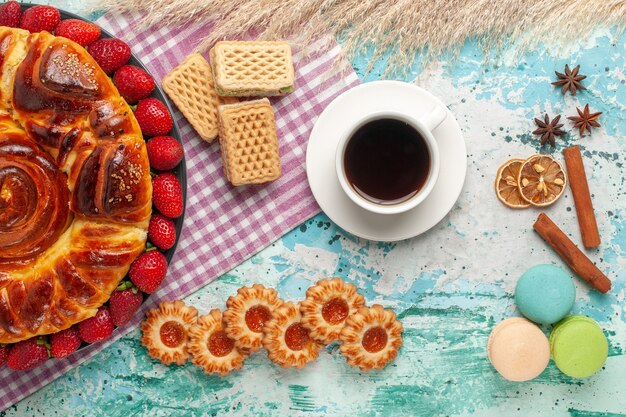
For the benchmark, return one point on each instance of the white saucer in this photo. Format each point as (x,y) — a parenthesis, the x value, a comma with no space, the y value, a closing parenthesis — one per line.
(320,162)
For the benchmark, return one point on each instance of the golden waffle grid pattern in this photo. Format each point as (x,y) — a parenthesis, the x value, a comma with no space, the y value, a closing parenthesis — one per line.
(248,142)
(253,66)
(191,87)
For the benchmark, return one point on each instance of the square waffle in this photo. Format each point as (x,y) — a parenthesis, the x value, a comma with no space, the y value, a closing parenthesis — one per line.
(191,87)
(248,142)
(245,69)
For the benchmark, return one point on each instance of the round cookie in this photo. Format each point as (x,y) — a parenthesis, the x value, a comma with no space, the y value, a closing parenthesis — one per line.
(579,346)
(518,349)
(545,294)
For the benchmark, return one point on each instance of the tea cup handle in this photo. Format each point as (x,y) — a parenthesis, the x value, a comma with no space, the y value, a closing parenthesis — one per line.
(436,116)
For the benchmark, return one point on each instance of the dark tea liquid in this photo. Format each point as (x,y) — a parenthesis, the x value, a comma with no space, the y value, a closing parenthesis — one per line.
(387,161)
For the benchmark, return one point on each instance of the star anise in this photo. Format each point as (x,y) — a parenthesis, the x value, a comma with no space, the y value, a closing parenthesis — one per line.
(548,129)
(585,120)
(570,80)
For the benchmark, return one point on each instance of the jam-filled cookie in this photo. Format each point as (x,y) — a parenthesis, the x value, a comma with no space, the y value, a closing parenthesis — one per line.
(287,341)
(165,331)
(371,338)
(211,348)
(327,306)
(246,314)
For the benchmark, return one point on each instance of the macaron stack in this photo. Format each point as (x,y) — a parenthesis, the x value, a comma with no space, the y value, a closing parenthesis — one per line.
(520,351)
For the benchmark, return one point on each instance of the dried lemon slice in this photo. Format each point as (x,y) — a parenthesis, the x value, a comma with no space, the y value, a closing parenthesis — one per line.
(506,185)
(541,180)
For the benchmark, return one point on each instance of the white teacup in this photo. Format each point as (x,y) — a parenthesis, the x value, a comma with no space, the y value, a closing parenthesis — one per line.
(423,124)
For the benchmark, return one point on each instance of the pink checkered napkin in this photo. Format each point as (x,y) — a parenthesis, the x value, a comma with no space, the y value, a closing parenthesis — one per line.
(224,225)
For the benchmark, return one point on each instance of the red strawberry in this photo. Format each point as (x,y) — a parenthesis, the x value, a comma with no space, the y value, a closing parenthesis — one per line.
(153,117)
(96,328)
(162,231)
(38,18)
(10,15)
(28,354)
(65,342)
(167,195)
(124,302)
(4,354)
(164,152)
(133,83)
(148,271)
(109,53)
(79,31)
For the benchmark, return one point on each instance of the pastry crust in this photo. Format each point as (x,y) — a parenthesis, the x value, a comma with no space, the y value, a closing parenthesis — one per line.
(286,340)
(363,338)
(211,348)
(166,331)
(240,309)
(76,192)
(327,306)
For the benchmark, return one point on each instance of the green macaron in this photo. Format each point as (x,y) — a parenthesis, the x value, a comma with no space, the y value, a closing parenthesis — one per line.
(578,346)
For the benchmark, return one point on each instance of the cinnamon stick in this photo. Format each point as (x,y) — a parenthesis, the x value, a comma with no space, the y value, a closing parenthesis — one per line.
(573,256)
(582,197)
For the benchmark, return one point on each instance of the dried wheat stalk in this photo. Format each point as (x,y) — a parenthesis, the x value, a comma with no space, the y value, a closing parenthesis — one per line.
(400,28)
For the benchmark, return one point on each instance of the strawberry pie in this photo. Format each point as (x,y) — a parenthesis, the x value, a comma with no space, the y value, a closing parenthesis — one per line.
(75,185)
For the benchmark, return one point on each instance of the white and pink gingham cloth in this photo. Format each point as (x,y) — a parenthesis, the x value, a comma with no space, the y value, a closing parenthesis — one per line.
(224,225)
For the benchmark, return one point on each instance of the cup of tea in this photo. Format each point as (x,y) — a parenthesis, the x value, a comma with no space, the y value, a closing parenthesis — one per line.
(388,162)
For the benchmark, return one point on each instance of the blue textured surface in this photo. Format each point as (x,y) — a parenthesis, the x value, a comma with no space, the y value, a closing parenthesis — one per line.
(449,286)
(545,294)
